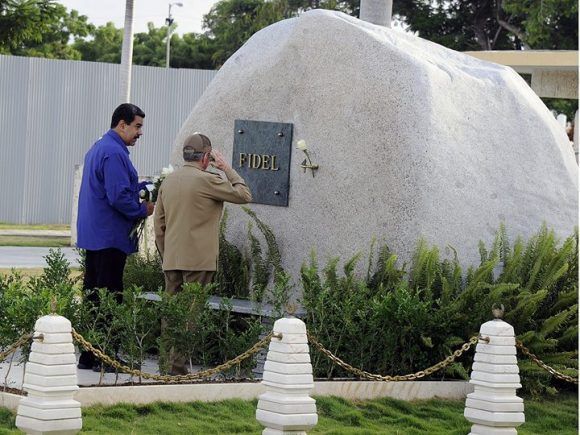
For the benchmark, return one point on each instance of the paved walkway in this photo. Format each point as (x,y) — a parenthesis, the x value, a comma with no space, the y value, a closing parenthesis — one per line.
(28,257)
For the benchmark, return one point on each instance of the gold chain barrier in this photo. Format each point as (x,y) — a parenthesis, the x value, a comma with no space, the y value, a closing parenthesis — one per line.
(178,378)
(410,377)
(14,346)
(545,366)
(263,342)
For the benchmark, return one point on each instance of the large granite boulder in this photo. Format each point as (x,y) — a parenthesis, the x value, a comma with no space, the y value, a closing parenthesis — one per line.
(413,140)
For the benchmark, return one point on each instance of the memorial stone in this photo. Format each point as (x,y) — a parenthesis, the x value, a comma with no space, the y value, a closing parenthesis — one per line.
(412,140)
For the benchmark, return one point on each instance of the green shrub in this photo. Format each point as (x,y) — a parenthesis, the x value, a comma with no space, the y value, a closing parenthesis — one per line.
(399,318)
(131,328)
(242,275)
(23,301)
(397,321)
(223,334)
(248,275)
(384,328)
(181,314)
(141,325)
(204,335)
(233,274)
(101,324)
(145,272)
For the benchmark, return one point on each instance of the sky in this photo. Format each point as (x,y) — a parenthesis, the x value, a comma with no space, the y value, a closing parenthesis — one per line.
(188,18)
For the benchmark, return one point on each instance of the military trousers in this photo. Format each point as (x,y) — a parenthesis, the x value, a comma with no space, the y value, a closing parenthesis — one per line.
(174,279)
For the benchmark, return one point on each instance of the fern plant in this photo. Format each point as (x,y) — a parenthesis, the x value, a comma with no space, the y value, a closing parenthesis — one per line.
(256,275)
(233,271)
(397,320)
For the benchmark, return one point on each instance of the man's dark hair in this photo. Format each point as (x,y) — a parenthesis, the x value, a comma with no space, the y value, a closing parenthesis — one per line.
(126,112)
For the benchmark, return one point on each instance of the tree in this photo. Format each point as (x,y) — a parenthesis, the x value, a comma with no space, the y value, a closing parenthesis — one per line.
(25,21)
(548,24)
(150,47)
(192,51)
(493,24)
(230,23)
(105,45)
(460,25)
(54,43)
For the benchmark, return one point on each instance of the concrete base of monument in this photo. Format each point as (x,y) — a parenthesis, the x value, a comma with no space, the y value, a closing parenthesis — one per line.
(211,392)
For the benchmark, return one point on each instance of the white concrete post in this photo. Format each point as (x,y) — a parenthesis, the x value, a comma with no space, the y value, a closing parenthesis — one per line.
(561,118)
(50,380)
(78,177)
(377,12)
(493,407)
(576,130)
(285,407)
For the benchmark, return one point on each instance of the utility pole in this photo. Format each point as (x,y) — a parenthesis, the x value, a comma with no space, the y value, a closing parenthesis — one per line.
(169,22)
(377,12)
(127,54)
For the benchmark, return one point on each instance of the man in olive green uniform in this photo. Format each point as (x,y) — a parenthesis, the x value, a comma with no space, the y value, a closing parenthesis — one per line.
(187,216)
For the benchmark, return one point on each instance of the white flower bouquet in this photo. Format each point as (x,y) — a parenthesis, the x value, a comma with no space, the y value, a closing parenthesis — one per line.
(149,193)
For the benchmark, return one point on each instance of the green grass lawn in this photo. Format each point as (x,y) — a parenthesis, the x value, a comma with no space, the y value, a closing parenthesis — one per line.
(58,227)
(31,241)
(558,415)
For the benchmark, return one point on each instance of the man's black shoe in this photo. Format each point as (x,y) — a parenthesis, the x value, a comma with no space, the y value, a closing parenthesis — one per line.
(111,369)
(134,366)
(86,360)
(83,366)
(107,368)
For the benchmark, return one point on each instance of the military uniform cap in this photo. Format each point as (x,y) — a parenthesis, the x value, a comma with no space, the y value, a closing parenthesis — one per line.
(198,143)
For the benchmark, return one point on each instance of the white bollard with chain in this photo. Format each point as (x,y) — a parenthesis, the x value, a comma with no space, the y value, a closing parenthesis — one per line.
(50,380)
(494,408)
(286,407)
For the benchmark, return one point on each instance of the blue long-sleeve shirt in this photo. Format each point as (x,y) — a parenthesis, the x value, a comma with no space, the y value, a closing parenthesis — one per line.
(109,197)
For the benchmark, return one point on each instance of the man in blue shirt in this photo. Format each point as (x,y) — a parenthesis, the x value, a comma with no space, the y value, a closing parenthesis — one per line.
(109,207)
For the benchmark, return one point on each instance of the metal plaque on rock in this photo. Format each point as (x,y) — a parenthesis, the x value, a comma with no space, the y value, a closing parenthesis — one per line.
(262,157)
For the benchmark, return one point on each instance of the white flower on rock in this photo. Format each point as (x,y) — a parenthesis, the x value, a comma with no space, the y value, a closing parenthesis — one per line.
(301,145)
(166,171)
